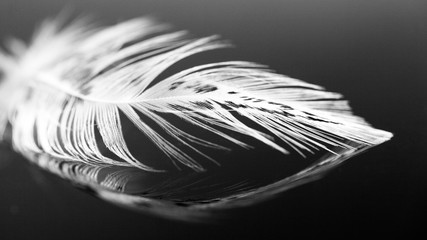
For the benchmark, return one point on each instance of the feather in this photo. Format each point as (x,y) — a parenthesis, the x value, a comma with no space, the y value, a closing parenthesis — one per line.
(66,95)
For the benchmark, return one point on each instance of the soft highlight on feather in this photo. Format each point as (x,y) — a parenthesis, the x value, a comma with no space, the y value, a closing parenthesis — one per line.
(74,84)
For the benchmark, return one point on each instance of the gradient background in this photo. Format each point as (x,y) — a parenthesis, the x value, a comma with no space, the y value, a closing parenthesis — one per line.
(374,52)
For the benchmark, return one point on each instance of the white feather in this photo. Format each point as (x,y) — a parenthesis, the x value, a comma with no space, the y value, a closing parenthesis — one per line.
(74,82)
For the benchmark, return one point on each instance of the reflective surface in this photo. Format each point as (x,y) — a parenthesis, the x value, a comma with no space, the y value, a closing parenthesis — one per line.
(371,52)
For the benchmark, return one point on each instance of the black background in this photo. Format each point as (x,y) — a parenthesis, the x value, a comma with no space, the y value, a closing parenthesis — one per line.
(374,52)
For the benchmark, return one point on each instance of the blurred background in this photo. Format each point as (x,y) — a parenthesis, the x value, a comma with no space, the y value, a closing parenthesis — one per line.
(374,52)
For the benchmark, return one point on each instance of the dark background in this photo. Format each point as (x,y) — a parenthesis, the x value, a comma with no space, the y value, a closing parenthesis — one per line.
(374,52)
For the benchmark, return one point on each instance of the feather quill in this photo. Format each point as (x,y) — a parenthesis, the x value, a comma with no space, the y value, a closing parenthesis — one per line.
(65,95)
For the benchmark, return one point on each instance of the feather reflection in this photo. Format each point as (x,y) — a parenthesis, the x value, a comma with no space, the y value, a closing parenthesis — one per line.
(186,195)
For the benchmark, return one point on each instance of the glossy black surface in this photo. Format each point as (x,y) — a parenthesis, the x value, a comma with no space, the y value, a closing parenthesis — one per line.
(373,52)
